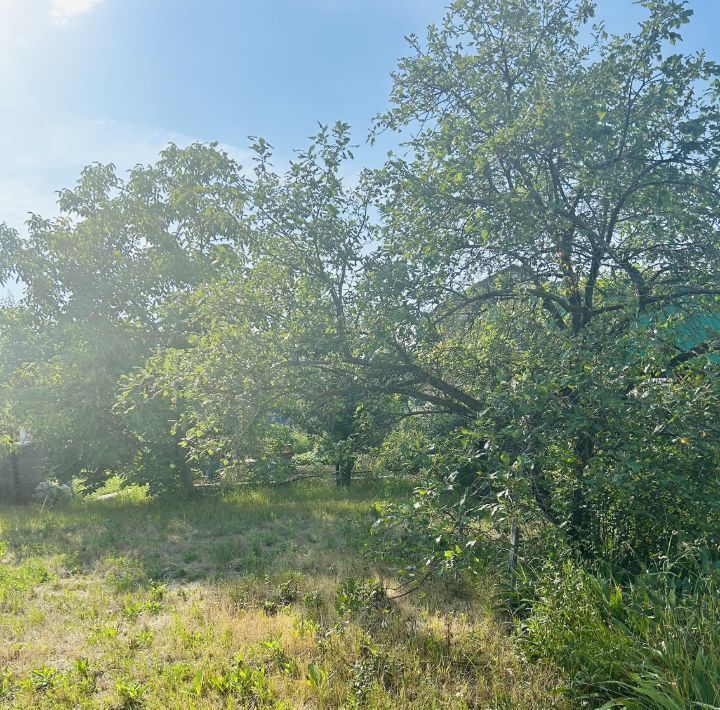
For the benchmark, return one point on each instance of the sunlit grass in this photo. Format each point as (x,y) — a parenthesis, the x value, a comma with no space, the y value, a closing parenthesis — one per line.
(233,602)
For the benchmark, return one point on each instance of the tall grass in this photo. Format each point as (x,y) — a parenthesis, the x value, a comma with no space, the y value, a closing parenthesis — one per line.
(653,642)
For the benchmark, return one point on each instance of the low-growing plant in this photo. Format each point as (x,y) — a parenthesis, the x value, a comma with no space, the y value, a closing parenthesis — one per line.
(6,683)
(285,594)
(242,681)
(44,678)
(306,627)
(88,676)
(132,692)
(372,667)
(82,666)
(313,600)
(316,677)
(143,639)
(356,596)
(276,656)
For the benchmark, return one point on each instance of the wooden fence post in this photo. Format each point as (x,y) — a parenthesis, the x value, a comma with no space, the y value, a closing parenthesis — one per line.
(514,548)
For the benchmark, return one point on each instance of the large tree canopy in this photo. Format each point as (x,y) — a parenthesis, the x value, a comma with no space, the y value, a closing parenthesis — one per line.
(97,281)
(553,224)
(543,165)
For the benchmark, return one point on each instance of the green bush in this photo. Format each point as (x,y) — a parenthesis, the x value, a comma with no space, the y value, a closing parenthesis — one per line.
(651,643)
(355,596)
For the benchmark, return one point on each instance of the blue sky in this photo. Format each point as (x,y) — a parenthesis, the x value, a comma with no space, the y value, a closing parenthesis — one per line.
(115,80)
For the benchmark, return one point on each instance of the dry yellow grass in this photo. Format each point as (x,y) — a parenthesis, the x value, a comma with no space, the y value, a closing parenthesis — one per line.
(231,602)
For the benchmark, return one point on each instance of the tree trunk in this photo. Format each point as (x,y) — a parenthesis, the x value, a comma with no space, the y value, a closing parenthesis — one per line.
(186,477)
(514,550)
(343,471)
(16,477)
(580,527)
(184,470)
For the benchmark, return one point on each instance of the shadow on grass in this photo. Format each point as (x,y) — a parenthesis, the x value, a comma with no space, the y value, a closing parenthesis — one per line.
(255,532)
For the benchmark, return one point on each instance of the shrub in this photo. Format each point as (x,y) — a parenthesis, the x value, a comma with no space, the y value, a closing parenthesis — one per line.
(653,642)
(361,597)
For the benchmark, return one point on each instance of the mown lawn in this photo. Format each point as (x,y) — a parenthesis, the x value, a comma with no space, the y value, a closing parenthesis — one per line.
(257,599)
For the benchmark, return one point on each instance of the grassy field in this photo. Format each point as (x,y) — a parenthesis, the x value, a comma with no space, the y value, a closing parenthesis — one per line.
(257,599)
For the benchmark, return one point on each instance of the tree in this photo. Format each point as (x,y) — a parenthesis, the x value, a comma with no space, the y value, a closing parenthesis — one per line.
(97,280)
(527,267)
(576,181)
(559,201)
(265,328)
